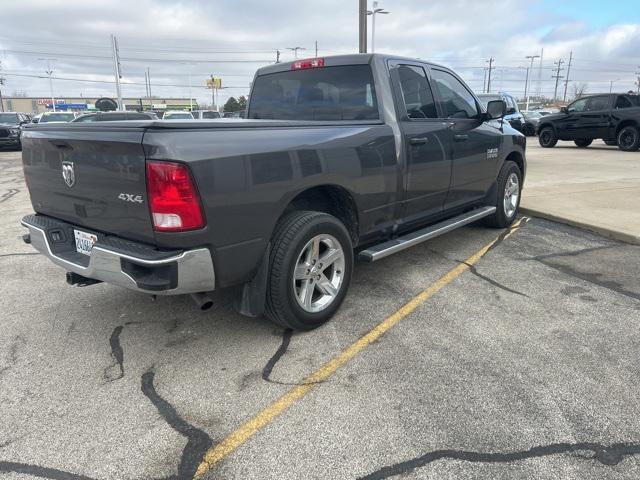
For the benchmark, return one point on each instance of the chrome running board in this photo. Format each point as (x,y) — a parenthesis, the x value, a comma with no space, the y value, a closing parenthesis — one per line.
(398,244)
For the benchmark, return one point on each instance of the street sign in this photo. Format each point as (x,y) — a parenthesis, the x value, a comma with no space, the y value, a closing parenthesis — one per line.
(214,83)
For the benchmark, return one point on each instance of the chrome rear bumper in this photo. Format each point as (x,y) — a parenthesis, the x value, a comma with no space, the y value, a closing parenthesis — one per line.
(122,262)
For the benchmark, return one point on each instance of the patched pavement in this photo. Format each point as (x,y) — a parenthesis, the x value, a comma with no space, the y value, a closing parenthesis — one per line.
(524,366)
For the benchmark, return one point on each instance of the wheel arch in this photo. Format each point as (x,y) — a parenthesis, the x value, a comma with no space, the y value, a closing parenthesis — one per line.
(329,198)
(626,123)
(517,157)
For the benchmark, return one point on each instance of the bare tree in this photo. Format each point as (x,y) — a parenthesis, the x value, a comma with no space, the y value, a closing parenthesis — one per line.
(20,93)
(579,89)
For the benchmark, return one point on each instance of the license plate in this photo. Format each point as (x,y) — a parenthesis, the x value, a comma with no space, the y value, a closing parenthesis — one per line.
(84,241)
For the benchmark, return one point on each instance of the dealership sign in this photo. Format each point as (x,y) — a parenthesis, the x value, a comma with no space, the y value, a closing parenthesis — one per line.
(47,101)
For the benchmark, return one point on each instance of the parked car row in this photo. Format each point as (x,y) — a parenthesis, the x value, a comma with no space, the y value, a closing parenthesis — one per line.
(11,122)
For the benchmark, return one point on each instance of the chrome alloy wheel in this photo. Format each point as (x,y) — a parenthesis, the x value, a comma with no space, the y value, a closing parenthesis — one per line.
(318,273)
(511,195)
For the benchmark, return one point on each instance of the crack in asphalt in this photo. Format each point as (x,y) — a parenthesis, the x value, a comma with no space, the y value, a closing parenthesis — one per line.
(268,368)
(605,454)
(593,278)
(41,472)
(573,253)
(495,283)
(12,356)
(117,353)
(501,238)
(474,270)
(198,442)
(19,254)
(8,194)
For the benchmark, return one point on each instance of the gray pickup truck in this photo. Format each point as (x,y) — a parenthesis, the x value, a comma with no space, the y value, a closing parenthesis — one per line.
(354,156)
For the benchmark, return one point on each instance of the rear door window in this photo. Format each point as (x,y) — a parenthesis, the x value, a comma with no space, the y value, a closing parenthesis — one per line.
(457,100)
(596,104)
(326,93)
(626,101)
(416,92)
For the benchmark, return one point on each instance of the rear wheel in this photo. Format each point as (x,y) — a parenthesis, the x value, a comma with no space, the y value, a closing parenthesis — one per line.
(507,200)
(547,137)
(629,139)
(583,142)
(310,270)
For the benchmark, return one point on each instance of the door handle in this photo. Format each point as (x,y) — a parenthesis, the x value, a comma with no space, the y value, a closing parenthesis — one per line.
(460,137)
(419,140)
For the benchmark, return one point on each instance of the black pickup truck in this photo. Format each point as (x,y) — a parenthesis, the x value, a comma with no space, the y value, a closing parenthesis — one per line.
(350,155)
(614,118)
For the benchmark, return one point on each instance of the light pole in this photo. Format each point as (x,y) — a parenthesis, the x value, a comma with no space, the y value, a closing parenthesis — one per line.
(611,84)
(373,13)
(295,50)
(189,64)
(527,92)
(49,71)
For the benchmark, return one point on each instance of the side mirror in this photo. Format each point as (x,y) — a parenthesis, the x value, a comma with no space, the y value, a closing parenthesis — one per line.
(511,111)
(564,110)
(35,120)
(496,109)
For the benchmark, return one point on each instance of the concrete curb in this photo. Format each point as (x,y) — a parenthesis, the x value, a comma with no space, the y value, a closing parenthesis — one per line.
(604,231)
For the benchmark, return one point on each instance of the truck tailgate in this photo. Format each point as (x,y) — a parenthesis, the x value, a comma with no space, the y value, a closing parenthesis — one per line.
(92,176)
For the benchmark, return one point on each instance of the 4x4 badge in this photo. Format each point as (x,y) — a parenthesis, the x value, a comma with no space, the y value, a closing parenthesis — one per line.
(68,174)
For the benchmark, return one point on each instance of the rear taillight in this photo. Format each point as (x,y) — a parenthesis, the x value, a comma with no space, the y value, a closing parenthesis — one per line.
(173,198)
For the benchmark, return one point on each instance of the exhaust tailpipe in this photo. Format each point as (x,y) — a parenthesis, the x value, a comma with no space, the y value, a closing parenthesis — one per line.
(203,301)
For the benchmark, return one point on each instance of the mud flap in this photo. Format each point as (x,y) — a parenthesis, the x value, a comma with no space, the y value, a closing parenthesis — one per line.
(251,299)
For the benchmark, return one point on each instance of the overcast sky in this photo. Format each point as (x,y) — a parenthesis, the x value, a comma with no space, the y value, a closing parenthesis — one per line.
(231,38)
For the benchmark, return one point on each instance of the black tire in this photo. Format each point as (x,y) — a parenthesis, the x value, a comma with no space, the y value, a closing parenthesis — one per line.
(629,139)
(583,142)
(547,137)
(291,235)
(611,143)
(500,219)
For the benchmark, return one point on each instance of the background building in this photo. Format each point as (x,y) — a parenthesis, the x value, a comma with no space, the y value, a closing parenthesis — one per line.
(38,104)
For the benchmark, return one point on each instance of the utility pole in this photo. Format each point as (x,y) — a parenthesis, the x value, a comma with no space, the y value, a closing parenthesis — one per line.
(150,97)
(484,80)
(527,93)
(116,69)
(295,50)
(362,26)
(557,76)
(566,80)
(611,82)
(316,49)
(1,84)
(49,72)
(638,81)
(526,83)
(491,67)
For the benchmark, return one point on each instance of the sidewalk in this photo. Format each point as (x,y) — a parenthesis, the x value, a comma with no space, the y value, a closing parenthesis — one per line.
(597,188)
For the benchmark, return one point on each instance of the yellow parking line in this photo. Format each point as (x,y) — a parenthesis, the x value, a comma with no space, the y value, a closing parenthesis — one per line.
(245,431)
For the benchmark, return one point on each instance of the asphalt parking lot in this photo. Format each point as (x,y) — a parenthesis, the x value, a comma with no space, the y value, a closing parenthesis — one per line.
(497,355)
